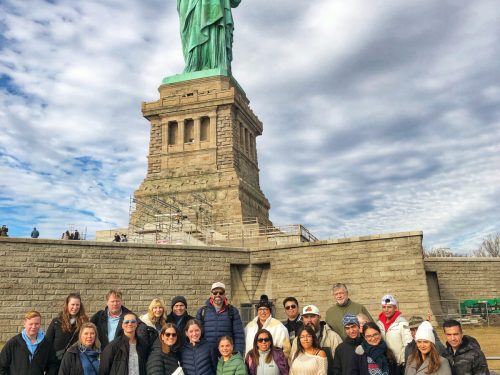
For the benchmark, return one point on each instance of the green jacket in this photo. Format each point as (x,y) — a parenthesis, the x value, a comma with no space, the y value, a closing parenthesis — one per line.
(233,366)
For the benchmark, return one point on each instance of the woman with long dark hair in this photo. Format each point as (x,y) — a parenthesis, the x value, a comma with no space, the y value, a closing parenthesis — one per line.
(373,357)
(265,357)
(309,359)
(425,358)
(63,331)
(164,359)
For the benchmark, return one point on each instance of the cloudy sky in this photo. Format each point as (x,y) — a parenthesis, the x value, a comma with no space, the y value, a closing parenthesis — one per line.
(379,116)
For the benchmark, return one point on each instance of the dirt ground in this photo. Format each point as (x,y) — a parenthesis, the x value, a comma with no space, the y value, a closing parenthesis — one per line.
(489,339)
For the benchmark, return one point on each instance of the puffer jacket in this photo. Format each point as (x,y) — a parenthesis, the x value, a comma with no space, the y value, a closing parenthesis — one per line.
(217,324)
(233,366)
(397,336)
(160,363)
(114,358)
(198,359)
(411,368)
(468,359)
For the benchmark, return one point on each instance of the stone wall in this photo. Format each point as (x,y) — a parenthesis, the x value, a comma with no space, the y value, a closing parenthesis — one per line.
(39,274)
(465,278)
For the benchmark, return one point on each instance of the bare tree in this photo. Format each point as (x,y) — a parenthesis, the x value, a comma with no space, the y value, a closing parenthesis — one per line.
(440,252)
(490,247)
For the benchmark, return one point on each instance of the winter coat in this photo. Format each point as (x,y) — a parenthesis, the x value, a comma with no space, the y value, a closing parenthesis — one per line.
(278,358)
(222,323)
(100,319)
(335,314)
(233,366)
(397,337)
(328,341)
(60,339)
(342,361)
(468,359)
(160,363)
(422,370)
(275,327)
(114,358)
(14,358)
(413,345)
(360,363)
(145,319)
(198,359)
(71,363)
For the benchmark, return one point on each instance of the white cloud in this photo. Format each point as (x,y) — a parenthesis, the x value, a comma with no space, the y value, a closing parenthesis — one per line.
(391,109)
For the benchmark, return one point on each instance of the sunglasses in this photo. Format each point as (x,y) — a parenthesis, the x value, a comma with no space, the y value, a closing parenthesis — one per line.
(133,321)
(289,307)
(218,293)
(168,334)
(264,339)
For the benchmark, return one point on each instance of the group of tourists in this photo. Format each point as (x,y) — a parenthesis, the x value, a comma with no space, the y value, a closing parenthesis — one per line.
(116,341)
(4,231)
(73,235)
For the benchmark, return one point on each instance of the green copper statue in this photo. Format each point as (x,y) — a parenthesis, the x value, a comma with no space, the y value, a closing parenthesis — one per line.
(207,34)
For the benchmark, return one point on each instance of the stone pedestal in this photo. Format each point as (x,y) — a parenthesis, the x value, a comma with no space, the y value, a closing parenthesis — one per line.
(202,141)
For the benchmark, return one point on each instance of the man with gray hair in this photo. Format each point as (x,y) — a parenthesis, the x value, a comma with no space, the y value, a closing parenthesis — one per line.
(343,306)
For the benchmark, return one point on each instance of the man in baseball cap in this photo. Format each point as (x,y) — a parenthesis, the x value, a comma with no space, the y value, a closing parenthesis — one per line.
(220,318)
(394,328)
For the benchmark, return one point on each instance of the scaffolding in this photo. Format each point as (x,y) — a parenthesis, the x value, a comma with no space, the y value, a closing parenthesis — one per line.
(189,221)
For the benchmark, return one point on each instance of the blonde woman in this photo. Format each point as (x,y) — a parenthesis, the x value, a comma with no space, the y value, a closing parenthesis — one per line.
(155,317)
(82,358)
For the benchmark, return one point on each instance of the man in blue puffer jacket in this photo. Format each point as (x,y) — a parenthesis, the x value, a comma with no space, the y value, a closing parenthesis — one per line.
(219,318)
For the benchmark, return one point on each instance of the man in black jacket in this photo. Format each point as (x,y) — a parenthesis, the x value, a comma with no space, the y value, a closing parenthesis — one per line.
(342,361)
(463,352)
(109,321)
(29,353)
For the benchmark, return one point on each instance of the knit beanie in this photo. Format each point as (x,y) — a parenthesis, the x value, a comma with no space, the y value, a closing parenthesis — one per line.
(178,299)
(350,319)
(425,332)
(264,302)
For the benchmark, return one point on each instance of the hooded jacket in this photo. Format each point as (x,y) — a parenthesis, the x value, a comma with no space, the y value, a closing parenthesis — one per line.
(71,363)
(342,361)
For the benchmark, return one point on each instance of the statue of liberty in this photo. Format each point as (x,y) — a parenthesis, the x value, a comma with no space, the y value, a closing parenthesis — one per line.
(207,34)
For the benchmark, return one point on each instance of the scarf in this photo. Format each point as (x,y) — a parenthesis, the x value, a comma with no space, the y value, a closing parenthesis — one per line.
(377,353)
(387,323)
(90,360)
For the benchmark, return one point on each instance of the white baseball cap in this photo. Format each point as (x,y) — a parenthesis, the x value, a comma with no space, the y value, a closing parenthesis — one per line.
(389,299)
(310,310)
(218,284)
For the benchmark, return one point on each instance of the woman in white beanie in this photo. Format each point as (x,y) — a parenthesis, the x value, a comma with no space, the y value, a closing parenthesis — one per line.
(425,359)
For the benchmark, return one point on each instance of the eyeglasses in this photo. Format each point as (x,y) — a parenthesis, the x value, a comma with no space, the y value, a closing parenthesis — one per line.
(305,337)
(289,307)
(133,321)
(263,339)
(168,334)
(371,337)
(217,293)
